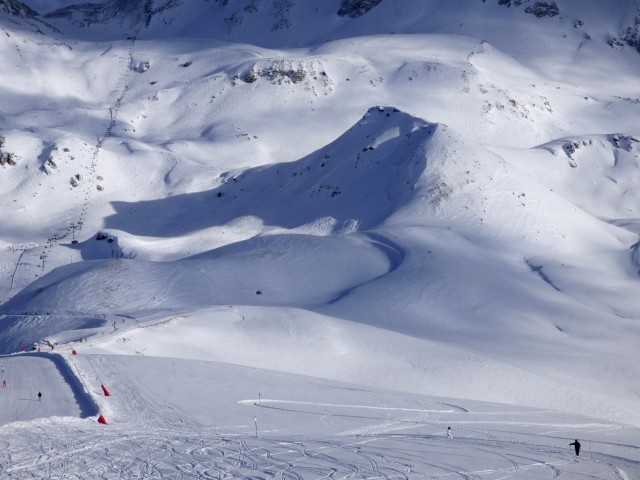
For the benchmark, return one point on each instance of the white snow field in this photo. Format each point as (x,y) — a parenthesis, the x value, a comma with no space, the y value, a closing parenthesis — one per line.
(298,239)
(174,418)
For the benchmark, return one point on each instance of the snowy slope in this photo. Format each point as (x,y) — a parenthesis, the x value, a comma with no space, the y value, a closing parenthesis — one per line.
(417,196)
(170,418)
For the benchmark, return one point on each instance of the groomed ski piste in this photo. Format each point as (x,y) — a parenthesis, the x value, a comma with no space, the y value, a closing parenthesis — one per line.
(297,244)
(175,418)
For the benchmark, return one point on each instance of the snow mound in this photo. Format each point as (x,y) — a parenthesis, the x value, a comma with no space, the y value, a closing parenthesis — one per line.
(271,270)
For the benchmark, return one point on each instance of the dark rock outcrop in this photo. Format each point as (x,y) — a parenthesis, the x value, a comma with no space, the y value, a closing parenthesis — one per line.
(356,8)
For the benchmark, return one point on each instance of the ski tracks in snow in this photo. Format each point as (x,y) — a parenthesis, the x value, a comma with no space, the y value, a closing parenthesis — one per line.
(84,449)
(150,437)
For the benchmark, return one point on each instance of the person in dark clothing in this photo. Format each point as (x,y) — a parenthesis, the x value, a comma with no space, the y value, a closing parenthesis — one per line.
(576,444)
(39,396)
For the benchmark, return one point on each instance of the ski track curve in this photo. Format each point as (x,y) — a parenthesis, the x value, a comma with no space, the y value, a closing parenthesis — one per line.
(395,255)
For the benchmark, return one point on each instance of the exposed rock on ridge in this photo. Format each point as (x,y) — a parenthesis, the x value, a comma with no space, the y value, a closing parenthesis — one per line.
(14,7)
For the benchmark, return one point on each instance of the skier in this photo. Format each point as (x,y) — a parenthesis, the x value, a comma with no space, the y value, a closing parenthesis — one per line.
(4,383)
(576,444)
(39,396)
(449,433)
(2,368)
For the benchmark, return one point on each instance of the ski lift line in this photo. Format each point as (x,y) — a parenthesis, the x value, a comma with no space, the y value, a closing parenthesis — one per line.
(93,164)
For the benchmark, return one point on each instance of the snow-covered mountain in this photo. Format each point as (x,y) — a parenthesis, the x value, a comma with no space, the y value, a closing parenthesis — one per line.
(16,8)
(428,196)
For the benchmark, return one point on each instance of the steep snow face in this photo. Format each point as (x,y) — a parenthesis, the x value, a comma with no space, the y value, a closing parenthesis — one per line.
(125,13)
(45,6)
(14,7)
(353,183)
(562,23)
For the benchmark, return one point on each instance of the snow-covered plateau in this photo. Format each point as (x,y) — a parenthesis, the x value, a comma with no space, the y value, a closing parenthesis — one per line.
(298,239)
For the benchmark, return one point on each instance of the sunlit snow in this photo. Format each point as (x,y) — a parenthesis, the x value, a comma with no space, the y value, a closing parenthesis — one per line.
(292,244)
